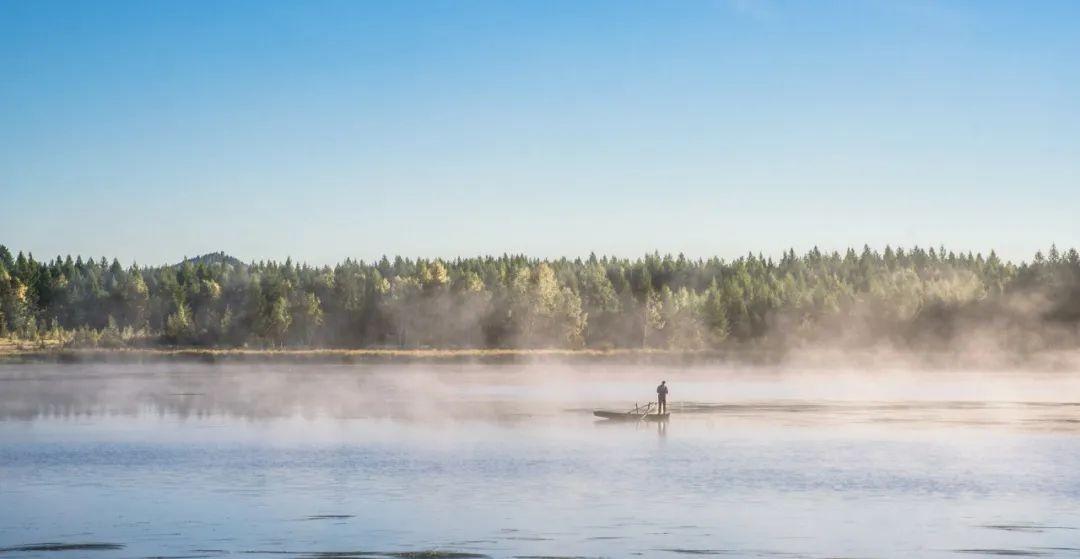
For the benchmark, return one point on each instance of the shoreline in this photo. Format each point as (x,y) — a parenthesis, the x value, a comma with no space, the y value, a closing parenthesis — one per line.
(347,356)
(1061,360)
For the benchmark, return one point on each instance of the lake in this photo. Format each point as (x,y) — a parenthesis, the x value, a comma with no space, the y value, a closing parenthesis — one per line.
(428,460)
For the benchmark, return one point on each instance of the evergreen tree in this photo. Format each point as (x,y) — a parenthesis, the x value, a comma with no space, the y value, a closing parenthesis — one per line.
(897,296)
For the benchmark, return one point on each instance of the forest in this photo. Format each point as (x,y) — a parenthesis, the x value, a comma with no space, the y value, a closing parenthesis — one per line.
(915,298)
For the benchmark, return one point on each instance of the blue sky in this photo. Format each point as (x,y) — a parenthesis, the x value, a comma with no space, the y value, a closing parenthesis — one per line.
(323,130)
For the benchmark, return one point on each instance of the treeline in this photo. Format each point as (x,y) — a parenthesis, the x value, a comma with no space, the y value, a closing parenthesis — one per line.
(915,297)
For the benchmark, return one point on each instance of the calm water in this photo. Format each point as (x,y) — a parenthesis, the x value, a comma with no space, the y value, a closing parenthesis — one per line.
(507,461)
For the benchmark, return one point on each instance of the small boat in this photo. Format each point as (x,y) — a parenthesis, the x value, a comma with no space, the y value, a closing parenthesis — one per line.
(639,413)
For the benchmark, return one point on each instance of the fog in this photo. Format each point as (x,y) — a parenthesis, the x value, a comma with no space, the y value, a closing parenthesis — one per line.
(539,391)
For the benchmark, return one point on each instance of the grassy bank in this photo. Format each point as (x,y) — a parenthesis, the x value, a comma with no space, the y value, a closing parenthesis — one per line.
(11,351)
(347,356)
(868,358)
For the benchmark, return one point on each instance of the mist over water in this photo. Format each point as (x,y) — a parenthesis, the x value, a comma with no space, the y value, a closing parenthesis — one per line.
(184,460)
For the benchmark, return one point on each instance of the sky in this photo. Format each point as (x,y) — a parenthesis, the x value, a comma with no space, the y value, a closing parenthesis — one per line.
(321,130)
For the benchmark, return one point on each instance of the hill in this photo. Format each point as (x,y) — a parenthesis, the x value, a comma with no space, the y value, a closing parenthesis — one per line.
(214,258)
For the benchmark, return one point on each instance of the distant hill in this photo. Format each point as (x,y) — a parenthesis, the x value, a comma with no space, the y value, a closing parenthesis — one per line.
(214,258)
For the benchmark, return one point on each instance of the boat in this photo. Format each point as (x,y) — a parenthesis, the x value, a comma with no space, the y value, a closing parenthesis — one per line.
(647,412)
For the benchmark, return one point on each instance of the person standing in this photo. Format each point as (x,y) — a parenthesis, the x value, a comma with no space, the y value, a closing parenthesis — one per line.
(661,397)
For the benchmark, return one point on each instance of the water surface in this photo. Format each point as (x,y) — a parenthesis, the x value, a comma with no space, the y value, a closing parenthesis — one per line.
(508,461)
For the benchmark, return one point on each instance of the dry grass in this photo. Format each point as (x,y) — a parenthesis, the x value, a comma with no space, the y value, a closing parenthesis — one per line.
(12,346)
(53,351)
(25,351)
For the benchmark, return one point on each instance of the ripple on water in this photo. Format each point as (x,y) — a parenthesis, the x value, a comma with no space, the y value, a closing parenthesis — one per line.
(363,554)
(699,551)
(1004,552)
(52,546)
(1030,528)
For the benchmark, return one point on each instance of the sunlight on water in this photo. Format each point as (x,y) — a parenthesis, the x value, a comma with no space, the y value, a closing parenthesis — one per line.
(508,461)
